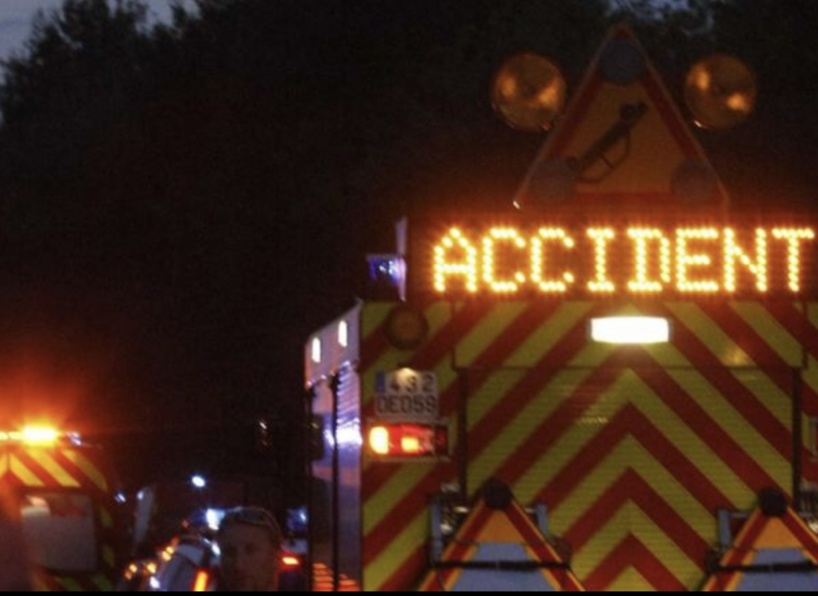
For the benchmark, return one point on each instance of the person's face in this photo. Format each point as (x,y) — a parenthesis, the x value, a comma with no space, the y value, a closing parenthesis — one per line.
(249,561)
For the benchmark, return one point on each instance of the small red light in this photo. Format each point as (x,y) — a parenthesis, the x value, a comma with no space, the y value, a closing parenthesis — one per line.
(409,440)
(290,561)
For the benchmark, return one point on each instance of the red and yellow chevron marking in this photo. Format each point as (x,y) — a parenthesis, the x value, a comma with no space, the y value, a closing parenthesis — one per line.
(73,469)
(632,449)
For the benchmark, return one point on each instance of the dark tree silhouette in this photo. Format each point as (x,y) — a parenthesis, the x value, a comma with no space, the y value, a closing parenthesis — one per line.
(186,202)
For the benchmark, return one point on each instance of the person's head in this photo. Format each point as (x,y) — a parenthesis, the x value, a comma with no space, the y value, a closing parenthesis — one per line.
(249,540)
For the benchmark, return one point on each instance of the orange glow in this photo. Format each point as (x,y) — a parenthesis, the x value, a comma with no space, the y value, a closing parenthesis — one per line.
(637,260)
(40,434)
(410,444)
(201,581)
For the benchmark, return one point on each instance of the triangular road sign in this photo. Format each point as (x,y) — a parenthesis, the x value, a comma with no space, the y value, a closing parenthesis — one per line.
(499,548)
(622,142)
(771,552)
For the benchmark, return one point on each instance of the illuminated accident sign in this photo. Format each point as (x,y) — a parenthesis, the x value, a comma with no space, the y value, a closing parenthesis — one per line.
(606,260)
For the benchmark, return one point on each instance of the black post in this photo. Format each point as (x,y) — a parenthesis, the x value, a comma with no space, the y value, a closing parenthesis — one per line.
(462,434)
(334,383)
(797,430)
(307,454)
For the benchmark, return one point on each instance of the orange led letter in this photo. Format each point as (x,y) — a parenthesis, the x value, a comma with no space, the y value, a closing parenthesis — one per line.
(686,261)
(466,267)
(642,281)
(490,240)
(601,237)
(793,237)
(539,259)
(733,254)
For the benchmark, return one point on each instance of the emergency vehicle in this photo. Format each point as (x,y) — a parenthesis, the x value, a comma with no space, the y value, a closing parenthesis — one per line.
(611,386)
(66,492)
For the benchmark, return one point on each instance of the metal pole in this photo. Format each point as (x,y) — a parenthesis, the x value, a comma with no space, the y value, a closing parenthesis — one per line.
(797,446)
(334,383)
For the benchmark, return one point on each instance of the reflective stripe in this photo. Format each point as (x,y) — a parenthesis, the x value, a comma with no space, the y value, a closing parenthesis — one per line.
(21,471)
(88,468)
(55,470)
(700,423)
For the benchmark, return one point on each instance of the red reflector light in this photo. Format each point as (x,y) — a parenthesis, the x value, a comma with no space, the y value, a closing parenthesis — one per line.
(409,440)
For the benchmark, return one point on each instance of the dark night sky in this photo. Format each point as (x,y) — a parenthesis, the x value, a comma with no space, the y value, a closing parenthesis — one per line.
(164,275)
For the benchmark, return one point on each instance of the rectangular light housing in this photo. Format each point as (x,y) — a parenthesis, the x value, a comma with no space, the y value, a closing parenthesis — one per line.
(630,330)
(409,440)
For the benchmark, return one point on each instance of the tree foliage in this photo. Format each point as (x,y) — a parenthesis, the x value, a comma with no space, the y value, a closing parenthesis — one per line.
(203,191)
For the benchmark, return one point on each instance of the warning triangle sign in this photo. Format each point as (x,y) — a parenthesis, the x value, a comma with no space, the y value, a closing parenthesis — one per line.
(499,548)
(771,552)
(621,142)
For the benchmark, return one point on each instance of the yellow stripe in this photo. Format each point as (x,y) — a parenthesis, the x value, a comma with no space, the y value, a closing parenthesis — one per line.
(767,392)
(55,470)
(26,476)
(522,426)
(109,556)
(630,520)
(770,331)
(385,564)
(630,580)
(630,454)
(103,583)
(733,423)
(105,517)
(697,452)
(486,330)
(380,504)
(810,375)
(710,333)
(88,468)
(437,315)
(70,585)
(373,316)
(548,335)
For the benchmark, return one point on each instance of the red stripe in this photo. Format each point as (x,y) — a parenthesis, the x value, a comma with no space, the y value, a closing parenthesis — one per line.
(677,127)
(807,539)
(630,486)
(748,339)
(630,422)
(748,534)
(533,538)
(710,432)
(583,100)
(407,573)
(33,466)
(744,401)
(631,553)
(463,321)
(527,390)
(464,540)
(80,476)
(407,509)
